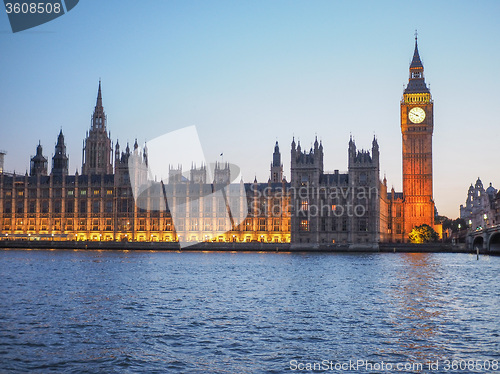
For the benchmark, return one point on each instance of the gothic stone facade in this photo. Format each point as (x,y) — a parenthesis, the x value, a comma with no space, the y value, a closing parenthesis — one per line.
(314,208)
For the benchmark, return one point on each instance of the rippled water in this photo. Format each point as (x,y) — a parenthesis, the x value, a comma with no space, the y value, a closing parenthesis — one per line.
(191,312)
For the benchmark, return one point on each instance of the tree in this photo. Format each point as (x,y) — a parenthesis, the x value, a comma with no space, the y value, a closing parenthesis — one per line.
(423,234)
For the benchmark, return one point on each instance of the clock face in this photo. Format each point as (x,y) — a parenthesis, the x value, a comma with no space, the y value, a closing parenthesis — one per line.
(416,115)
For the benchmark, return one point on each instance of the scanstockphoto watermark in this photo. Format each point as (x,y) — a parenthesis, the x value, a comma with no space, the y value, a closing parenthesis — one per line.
(356,366)
(365,366)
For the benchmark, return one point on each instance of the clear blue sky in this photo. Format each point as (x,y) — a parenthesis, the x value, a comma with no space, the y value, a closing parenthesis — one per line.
(248,73)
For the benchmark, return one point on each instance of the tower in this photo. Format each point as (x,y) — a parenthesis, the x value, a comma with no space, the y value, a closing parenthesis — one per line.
(2,155)
(417,125)
(60,159)
(306,173)
(364,169)
(97,146)
(38,165)
(276,166)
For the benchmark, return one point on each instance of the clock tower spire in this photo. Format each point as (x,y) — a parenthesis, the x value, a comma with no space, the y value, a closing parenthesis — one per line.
(417,125)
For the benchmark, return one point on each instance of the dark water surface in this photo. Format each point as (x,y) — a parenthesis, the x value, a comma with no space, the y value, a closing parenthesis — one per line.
(167,312)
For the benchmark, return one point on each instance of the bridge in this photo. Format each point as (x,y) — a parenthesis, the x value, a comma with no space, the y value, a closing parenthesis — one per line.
(486,240)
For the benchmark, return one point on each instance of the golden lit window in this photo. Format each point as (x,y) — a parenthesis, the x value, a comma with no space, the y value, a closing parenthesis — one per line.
(304,225)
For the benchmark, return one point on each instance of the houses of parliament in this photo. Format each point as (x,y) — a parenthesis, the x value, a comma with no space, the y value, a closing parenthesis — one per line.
(313,209)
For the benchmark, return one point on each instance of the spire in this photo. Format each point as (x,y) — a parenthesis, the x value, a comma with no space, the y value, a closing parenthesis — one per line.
(276,156)
(99,96)
(416,62)
(60,159)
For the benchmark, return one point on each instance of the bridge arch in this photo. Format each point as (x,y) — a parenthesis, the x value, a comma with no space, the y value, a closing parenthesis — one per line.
(478,243)
(494,243)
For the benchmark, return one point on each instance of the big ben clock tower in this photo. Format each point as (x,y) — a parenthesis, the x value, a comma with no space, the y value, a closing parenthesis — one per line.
(417,125)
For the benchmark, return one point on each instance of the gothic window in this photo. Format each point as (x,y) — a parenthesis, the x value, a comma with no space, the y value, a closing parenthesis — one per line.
(83,206)
(221,223)
(323,224)
(6,224)
(142,224)
(304,205)
(304,225)
(208,224)
(334,224)
(276,225)
(248,225)
(362,179)
(57,206)
(363,225)
(262,224)
(168,224)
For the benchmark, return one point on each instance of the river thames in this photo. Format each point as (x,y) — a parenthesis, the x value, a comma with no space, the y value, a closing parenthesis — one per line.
(218,312)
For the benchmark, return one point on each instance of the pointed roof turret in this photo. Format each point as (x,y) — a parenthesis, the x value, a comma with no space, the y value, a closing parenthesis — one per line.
(60,139)
(416,82)
(39,151)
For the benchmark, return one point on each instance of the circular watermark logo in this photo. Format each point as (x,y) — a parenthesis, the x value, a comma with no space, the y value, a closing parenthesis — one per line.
(25,14)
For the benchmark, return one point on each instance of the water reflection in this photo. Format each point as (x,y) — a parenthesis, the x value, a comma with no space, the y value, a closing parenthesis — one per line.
(417,309)
(189,312)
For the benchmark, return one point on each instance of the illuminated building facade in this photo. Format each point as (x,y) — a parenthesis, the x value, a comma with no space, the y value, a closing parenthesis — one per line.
(99,204)
(314,208)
